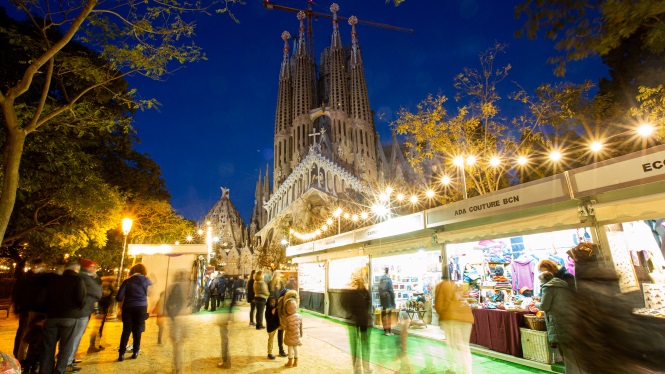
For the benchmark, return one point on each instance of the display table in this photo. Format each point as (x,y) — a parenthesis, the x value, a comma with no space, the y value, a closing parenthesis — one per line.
(498,330)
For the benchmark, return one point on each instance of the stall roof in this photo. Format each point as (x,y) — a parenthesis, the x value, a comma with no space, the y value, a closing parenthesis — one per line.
(167,249)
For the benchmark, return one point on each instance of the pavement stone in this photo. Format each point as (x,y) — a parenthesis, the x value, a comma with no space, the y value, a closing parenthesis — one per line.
(325,349)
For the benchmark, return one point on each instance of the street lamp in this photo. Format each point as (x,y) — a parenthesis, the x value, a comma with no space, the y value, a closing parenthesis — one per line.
(459,162)
(337,213)
(126,227)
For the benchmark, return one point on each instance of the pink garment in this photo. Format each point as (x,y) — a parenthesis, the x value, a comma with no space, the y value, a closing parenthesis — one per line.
(522,270)
(570,265)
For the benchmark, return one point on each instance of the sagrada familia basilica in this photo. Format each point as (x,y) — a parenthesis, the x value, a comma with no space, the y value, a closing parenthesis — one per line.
(326,147)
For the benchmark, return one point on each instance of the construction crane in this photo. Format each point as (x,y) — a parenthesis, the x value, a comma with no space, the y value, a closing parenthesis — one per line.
(309,13)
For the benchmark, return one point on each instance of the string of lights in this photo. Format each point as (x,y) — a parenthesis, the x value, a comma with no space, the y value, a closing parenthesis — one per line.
(386,199)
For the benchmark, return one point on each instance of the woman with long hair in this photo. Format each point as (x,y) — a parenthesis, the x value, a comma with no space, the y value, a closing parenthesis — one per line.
(134,294)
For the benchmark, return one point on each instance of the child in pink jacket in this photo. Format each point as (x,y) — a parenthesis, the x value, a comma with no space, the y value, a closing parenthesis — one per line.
(292,331)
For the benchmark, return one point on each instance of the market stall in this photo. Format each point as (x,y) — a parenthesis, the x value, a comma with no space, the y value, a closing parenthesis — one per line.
(414,277)
(341,273)
(312,287)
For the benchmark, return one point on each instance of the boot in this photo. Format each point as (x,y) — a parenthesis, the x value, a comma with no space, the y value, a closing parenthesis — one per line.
(121,356)
(289,363)
(295,362)
(135,354)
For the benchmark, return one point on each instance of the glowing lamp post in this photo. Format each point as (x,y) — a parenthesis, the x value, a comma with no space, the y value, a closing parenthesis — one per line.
(126,227)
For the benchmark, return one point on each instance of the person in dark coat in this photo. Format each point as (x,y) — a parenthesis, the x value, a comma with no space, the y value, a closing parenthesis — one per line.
(387,298)
(93,293)
(359,305)
(25,294)
(134,294)
(207,282)
(272,324)
(558,272)
(250,298)
(65,298)
(238,286)
(218,290)
(557,301)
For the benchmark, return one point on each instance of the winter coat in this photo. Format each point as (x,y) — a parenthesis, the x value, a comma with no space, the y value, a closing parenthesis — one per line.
(281,306)
(93,292)
(218,286)
(564,275)
(386,292)
(250,290)
(260,287)
(557,303)
(272,319)
(293,324)
(65,295)
(448,305)
(134,291)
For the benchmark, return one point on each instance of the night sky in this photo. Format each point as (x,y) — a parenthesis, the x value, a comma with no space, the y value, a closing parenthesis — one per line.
(215,127)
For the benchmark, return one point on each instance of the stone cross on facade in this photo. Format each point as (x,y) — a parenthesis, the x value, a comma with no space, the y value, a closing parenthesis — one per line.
(314,134)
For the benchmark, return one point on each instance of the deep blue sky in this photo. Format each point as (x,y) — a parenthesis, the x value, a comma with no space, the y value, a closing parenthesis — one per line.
(215,127)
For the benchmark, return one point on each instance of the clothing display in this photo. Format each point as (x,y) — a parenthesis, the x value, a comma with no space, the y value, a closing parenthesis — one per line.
(523,273)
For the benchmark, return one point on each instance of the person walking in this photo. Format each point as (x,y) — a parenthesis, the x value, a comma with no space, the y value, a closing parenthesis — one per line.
(238,287)
(178,306)
(556,301)
(134,294)
(456,320)
(218,291)
(224,321)
(65,297)
(261,294)
(26,296)
(93,292)
(103,309)
(293,329)
(387,299)
(250,299)
(359,305)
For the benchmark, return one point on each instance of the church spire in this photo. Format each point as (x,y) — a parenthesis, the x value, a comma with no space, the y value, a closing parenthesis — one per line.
(302,103)
(360,108)
(336,38)
(284,113)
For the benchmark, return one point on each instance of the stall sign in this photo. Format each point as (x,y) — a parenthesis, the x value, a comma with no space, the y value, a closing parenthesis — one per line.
(630,170)
(333,241)
(547,190)
(392,227)
(295,250)
(311,277)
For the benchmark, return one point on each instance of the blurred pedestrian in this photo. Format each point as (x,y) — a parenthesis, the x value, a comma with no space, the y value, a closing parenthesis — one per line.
(103,309)
(178,306)
(224,321)
(557,303)
(610,337)
(218,291)
(28,298)
(93,292)
(277,283)
(456,320)
(159,312)
(238,288)
(250,299)
(359,305)
(65,297)
(207,282)
(261,294)
(293,328)
(134,296)
(387,299)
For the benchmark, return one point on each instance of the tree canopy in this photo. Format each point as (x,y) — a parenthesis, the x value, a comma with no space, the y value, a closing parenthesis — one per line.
(68,61)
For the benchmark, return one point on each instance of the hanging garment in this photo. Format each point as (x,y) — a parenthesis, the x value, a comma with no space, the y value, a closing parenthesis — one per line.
(522,270)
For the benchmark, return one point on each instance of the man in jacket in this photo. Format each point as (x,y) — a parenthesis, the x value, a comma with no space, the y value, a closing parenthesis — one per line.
(93,292)
(65,299)
(218,291)
(250,298)
(25,295)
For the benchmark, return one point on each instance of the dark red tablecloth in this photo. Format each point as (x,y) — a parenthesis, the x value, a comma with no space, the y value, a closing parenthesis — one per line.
(498,330)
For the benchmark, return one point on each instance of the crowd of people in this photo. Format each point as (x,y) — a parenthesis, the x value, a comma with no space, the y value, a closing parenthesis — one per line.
(54,309)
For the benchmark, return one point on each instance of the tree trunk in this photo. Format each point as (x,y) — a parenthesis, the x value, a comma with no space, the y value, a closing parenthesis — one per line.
(12,152)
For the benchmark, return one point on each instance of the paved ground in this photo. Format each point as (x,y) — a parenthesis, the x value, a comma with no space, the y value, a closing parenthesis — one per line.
(325,350)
